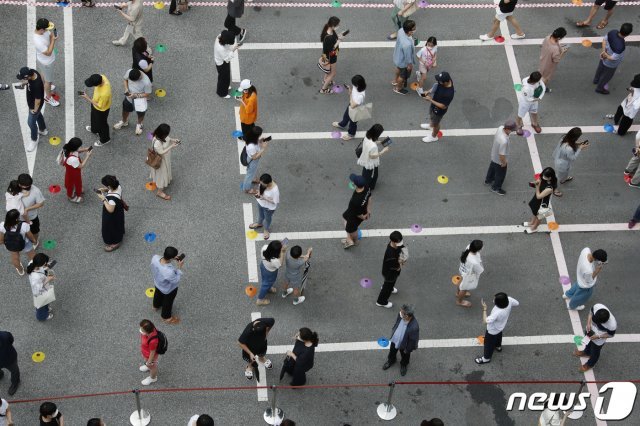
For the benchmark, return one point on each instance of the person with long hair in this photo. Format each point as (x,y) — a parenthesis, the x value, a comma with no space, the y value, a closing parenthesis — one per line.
(248,106)
(73,166)
(356,99)
(272,260)
(545,186)
(17,238)
(359,210)
(40,278)
(32,200)
(142,58)
(566,153)
(300,359)
(163,144)
(268,199)
(551,54)
(223,51)
(13,197)
(255,147)
(330,48)
(112,213)
(470,270)
(370,157)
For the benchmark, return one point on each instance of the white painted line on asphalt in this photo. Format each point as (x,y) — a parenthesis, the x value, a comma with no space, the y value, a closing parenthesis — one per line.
(235,68)
(69,76)
(243,169)
(252,263)
(263,394)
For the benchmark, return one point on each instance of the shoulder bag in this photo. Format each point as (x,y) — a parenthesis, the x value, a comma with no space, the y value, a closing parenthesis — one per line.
(324,65)
(45,298)
(359,149)
(153,158)
(361,112)
(544,211)
(412,9)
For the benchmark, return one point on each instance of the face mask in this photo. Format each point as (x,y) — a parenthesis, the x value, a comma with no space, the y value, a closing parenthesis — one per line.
(55,414)
(400,244)
(141,331)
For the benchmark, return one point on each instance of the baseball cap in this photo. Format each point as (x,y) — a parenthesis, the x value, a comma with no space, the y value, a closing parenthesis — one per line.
(510,125)
(24,73)
(245,84)
(44,24)
(357,180)
(443,77)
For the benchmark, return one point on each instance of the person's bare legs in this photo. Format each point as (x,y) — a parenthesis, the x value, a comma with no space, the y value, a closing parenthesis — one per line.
(125,116)
(31,254)
(494,28)
(534,119)
(605,20)
(153,370)
(516,25)
(329,77)
(15,261)
(396,77)
(592,14)
(47,89)
(435,128)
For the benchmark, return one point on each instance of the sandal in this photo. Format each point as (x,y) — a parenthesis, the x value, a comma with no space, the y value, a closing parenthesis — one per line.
(325,91)
(464,303)
(268,364)
(348,244)
(163,196)
(582,24)
(111,247)
(602,24)
(248,374)
(466,294)
(266,235)
(538,129)
(255,226)
(557,193)
(480,360)
(172,320)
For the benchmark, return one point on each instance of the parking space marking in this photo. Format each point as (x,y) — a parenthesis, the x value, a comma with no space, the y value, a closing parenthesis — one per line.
(252,265)
(69,76)
(243,169)
(263,394)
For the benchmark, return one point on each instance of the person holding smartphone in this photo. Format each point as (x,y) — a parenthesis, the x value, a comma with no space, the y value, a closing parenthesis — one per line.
(356,99)
(369,159)
(44,40)
(589,267)
(566,153)
(112,212)
(256,146)
(163,144)
(133,16)
(267,199)
(330,39)
(551,53)
(40,277)
(73,166)
(166,278)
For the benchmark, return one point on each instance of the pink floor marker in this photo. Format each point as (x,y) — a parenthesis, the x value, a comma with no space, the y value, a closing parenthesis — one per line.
(416,228)
(565,280)
(336,135)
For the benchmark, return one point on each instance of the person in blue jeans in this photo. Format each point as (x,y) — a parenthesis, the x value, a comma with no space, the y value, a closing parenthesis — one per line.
(272,260)
(39,277)
(268,198)
(256,147)
(636,218)
(356,99)
(35,96)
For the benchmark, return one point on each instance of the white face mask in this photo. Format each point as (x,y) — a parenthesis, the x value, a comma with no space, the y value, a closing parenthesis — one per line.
(55,414)
(142,331)
(400,244)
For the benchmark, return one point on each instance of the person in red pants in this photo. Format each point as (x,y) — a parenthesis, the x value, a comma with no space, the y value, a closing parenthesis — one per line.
(73,165)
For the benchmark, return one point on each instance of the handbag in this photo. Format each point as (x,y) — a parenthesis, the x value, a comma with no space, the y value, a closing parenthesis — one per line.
(361,112)
(324,65)
(544,211)
(153,158)
(45,298)
(412,9)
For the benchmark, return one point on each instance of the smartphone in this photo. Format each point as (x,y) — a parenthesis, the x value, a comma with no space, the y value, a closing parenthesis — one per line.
(19,86)
(117,7)
(344,33)
(181,257)
(51,264)
(267,139)
(585,143)
(55,32)
(285,241)
(97,191)
(80,93)
(590,333)
(386,142)
(178,141)
(90,148)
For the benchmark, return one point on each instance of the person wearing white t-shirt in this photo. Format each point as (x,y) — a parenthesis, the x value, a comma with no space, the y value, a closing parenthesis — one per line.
(589,266)
(44,40)
(6,418)
(496,322)
(273,255)
(268,199)
(201,420)
(628,108)
(256,147)
(137,90)
(370,157)
(533,90)
(470,270)
(601,325)
(356,99)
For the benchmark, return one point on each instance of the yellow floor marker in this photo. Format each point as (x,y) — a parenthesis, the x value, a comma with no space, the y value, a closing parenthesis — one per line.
(442,179)
(251,234)
(38,356)
(150,292)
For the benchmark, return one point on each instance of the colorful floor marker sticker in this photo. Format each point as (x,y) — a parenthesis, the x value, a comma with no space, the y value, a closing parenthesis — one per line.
(526,133)
(416,41)
(499,39)
(553,226)
(161,93)
(55,50)
(252,234)
(150,186)
(439,134)
(55,96)
(338,88)
(352,186)
(236,134)
(366,283)
(54,140)
(414,85)
(54,189)
(577,2)
(336,135)
(577,340)
(416,228)
(518,87)
(150,237)
(423,3)
(383,342)
(158,5)
(250,291)
(586,43)
(565,279)
(456,279)
(608,128)
(49,244)
(161,48)
(442,179)
(606,86)
(38,356)
(236,92)
(150,292)
(359,234)
(336,3)
(536,176)
(149,136)
(480,339)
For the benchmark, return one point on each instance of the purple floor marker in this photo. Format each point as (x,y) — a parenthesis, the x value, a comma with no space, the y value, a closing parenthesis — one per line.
(565,280)
(416,228)
(337,89)
(526,133)
(366,283)
(336,135)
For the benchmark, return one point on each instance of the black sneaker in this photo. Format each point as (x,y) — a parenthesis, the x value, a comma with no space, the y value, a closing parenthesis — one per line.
(13,388)
(403,370)
(488,183)
(387,365)
(499,348)
(499,191)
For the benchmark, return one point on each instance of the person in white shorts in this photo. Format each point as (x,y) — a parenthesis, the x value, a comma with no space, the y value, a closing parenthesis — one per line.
(529,96)
(44,40)
(504,11)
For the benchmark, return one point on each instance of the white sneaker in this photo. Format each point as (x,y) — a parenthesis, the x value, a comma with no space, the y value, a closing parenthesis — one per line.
(425,126)
(388,305)
(50,316)
(579,308)
(143,368)
(117,43)
(88,128)
(299,300)
(98,143)
(565,297)
(484,37)
(149,380)
(53,87)
(120,124)
(420,91)
(287,292)
(51,101)
(32,145)
(138,129)
(395,290)
(44,132)
(429,138)
(516,36)
(227,97)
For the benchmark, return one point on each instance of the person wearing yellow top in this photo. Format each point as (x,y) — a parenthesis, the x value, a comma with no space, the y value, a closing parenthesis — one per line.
(100,106)
(248,107)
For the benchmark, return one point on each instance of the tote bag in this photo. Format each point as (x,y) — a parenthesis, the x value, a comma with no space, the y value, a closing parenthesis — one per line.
(361,112)
(153,158)
(45,298)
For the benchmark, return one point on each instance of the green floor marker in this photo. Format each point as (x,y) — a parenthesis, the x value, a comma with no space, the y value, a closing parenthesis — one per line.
(336,3)
(55,50)
(518,87)
(236,92)
(161,48)
(49,244)
(352,186)
(577,340)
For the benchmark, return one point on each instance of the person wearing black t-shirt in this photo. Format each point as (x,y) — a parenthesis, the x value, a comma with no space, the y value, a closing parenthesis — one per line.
(440,96)
(504,11)
(35,96)
(49,415)
(394,258)
(253,342)
(358,211)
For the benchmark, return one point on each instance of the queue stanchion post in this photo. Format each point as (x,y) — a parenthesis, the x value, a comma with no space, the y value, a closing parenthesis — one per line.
(273,415)
(139,417)
(386,410)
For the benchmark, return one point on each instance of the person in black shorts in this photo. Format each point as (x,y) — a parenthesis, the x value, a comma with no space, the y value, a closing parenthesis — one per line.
(358,211)
(253,342)
(608,6)
(440,96)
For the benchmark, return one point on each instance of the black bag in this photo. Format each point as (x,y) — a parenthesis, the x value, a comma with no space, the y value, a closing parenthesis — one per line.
(244,158)
(359,150)
(13,240)
(163,343)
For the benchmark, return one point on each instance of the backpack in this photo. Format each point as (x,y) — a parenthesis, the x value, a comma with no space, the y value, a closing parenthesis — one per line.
(163,343)
(244,158)
(13,240)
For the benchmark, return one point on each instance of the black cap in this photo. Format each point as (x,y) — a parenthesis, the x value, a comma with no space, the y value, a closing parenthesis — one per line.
(24,73)
(443,77)
(42,24)
(636,82)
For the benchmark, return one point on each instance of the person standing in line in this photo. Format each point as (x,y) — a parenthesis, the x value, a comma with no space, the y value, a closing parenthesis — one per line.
(427,59)
(589,267)
(496,322)
(439,96)
(40,277)
(402,9)
(9,361)
(201,420)
(152,341)
(253,342)
(35,95)
(137,91)
(96,422)
(166,279)
(433,422)
(370,157)
(73,166)
(545,186)
(300,359)
(533,90)
(551,53)
(608,6)
(471,268)
(395,256)
(32,200)
(627,110)
(13,198)
(112,213)
(404,56)
(44,42)
(499,153)
(142,58)
(134,21)
(163,144)
(405,335)
(49,415)
(174,5)
(267,199)
(248,106)
(6,417)
(359,210)
(611,55)
(330,48)
(356,99)
(601,325)
(272,259)
(565,153)
(296,264)
(235,9)
(256,147)
(17,238)
(631,175)
(504,11)
(223,49)
(100,106)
